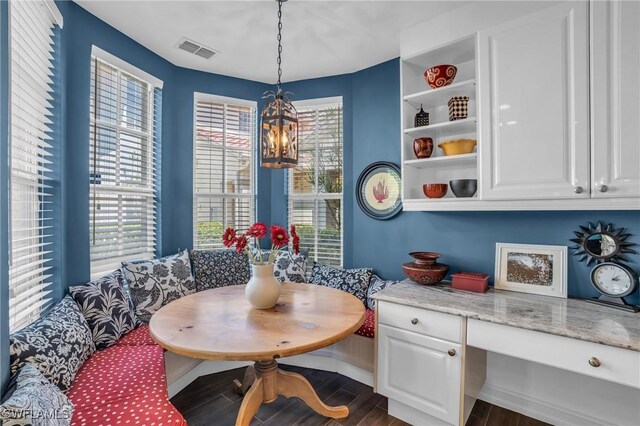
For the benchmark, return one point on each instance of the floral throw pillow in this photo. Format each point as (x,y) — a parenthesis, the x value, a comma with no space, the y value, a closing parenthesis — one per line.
(219,268)
(106,308)
(377,284)
(154,283)
(290,267)
(57,344)
(354,281)
(34,401)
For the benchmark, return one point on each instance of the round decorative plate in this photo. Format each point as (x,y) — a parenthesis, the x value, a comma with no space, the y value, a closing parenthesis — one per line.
(378,190)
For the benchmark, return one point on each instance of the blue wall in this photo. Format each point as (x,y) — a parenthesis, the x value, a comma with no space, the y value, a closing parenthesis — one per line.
(465,239)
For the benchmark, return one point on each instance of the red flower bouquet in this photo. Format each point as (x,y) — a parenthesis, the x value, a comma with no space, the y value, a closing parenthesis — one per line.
(279,239)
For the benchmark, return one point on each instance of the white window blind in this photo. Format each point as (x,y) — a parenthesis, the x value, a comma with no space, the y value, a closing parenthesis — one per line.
(123,159)
(315,185)
(34,50)
(223,168)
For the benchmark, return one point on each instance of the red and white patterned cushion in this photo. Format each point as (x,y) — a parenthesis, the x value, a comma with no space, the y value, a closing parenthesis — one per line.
(123,385)
(368,327)
(138,337)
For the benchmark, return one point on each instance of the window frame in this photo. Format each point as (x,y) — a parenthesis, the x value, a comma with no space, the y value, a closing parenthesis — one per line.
(99,267)
(253,196)
(316,196)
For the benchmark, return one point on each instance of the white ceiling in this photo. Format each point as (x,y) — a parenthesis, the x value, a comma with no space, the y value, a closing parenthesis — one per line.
(320,38)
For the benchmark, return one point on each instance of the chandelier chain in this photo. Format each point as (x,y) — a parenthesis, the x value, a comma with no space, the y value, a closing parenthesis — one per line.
(279,42)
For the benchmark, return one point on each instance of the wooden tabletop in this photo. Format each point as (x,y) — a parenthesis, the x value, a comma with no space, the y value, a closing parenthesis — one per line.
(220,324)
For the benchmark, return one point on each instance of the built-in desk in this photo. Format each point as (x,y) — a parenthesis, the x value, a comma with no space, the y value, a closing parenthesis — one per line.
(432,345)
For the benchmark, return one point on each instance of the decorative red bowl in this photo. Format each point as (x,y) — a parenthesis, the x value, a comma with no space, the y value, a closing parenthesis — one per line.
(440,75)
(424,257)
(425,275)
(435,190)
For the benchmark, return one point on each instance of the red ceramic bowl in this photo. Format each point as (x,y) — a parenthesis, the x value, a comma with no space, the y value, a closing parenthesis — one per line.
(440,75)
(425,275)
(424,257)
(435,190)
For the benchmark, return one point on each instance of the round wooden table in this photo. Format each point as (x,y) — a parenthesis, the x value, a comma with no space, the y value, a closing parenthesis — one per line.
(220,324)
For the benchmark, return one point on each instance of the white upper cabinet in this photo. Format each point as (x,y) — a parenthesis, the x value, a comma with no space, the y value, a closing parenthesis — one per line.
(534,105)
(615,96)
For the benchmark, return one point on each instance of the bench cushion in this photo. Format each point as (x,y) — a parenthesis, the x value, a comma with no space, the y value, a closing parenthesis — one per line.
(368,327)
(123,385)
(138,337)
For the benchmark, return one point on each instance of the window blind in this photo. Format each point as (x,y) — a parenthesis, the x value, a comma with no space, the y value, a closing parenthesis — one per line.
(223,168)
(315,185)
(34,50)
(123,158)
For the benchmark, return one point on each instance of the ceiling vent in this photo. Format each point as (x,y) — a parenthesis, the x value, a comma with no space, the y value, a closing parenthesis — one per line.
(196,48)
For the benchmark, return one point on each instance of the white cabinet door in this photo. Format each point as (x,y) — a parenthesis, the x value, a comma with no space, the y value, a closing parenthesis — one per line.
(534,108)
(615,99)
(418,371)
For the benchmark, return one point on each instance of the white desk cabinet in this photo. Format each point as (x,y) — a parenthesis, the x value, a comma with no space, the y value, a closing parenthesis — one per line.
(421,362)
(534,83)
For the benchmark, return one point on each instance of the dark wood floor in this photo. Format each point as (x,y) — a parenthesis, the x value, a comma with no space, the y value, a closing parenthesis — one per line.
(210,400)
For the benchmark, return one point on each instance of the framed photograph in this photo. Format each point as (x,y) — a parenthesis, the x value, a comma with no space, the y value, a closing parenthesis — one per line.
(378,190)
(532,269)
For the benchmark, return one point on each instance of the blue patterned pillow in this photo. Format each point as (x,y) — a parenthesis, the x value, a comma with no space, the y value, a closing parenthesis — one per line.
(354,281)
(106,308)
(34,400)
(377,284)
(290,267)
(154,283)
(57,344)
(219,268)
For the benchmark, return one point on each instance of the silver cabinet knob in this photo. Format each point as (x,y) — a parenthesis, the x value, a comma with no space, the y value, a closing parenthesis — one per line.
(594,362)
(414,321)
(578,190)
(603,188)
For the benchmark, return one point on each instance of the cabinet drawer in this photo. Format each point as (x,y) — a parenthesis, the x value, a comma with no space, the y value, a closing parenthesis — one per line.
(430,323)
(616,365)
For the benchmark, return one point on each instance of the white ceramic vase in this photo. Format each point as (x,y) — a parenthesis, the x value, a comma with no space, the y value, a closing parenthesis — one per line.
(263,289)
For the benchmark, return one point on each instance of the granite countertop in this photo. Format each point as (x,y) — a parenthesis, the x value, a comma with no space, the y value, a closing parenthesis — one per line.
(564,317)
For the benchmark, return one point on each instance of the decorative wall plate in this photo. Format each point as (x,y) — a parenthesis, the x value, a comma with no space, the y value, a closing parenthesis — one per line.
(378,190)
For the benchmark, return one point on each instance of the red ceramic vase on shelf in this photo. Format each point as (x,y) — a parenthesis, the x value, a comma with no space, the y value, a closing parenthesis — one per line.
(423,147)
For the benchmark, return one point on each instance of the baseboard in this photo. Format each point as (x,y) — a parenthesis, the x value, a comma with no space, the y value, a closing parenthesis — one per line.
(536,408)
(330,364)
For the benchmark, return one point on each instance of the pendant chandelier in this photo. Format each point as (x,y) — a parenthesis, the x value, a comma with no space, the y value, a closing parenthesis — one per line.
(279,121)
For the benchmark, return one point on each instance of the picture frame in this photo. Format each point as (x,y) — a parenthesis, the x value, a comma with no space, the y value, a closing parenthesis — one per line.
(529,268)
(379,190)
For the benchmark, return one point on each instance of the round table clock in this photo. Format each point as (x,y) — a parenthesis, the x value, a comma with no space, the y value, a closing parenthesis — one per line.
(614,281)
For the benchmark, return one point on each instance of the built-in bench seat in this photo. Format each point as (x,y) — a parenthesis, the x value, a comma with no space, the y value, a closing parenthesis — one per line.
(124,384)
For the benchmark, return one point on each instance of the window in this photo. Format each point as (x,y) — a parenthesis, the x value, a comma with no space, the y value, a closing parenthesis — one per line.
(123,162)
(34,142)
(223,168)
(315,185)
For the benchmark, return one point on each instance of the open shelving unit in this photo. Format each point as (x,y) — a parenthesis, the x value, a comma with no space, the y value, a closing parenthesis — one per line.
(416,93)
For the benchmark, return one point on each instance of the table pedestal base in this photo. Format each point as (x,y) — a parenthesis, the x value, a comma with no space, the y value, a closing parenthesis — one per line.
(270,382)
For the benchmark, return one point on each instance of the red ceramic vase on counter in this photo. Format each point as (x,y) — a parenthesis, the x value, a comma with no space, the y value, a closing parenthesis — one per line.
(424,269)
